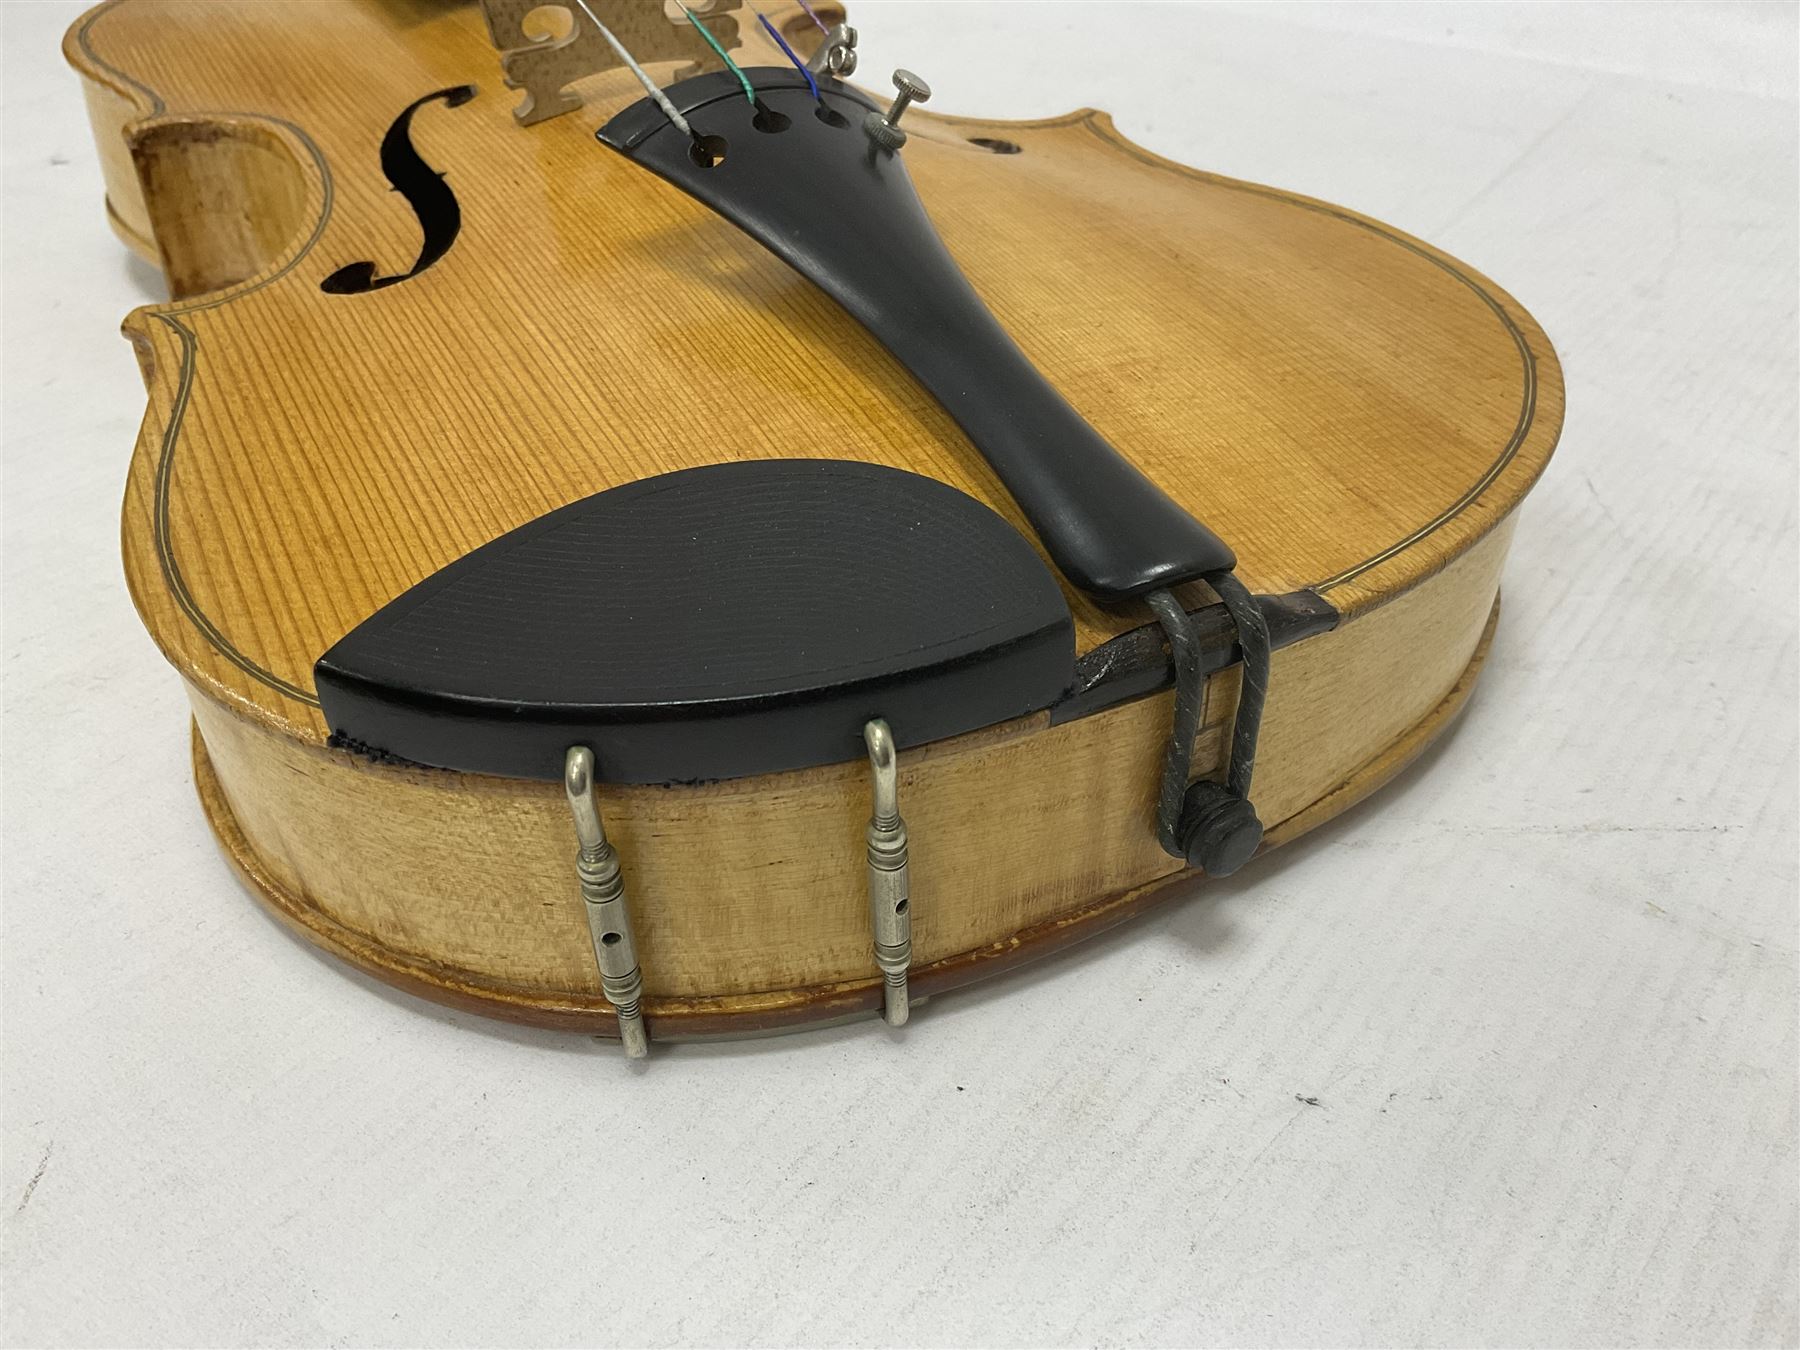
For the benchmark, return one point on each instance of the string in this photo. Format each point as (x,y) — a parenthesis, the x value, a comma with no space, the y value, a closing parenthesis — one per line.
(815,18)
(799,65)
(680,122)
(713,42)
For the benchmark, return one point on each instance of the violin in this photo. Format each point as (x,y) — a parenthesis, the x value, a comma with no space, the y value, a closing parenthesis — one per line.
(666,536)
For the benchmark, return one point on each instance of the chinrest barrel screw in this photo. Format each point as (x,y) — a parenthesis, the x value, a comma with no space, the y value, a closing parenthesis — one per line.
(890,904)
(602,882)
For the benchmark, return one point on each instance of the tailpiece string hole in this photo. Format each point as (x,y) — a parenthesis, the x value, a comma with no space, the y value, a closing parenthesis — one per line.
(708,151)
(768,120)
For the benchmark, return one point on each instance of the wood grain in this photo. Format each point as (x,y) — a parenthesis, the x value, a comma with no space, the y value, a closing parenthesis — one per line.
(748,895)
(592,326)
(1351,409)
(674,1017)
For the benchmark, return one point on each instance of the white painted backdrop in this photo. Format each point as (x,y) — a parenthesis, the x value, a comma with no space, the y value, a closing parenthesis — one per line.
(1543,988)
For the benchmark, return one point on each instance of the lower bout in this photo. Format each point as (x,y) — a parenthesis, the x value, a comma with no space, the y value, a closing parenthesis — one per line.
(675,1017)
(748,897)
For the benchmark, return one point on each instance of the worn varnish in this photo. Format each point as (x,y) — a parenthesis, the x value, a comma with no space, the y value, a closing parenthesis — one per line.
(1351,409)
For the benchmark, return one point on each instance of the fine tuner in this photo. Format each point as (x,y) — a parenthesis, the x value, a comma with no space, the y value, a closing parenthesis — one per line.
(772,568)
(885,130)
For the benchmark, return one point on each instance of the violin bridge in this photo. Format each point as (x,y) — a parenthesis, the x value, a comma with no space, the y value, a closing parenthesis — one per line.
(545,64)
(603,896)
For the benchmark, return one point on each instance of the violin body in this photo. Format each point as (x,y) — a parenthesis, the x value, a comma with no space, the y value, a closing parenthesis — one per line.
(347,396)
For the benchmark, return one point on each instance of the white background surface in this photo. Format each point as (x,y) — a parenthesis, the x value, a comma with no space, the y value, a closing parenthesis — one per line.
(1544,988)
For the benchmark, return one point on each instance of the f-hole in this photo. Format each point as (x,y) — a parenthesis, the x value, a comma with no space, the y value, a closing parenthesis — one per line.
(425,191)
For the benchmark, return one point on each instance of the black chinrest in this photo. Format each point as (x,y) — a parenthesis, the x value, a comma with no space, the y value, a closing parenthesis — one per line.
(716,622)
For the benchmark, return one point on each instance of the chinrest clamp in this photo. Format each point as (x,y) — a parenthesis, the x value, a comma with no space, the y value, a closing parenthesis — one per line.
(603,895)
(890,917)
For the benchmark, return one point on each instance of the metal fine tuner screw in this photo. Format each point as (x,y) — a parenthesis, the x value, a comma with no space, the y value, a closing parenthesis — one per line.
(837,54)
(885,131)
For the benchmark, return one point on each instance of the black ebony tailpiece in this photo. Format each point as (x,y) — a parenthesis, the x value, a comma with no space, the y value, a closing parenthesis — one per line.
(717,622)
(806,181)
